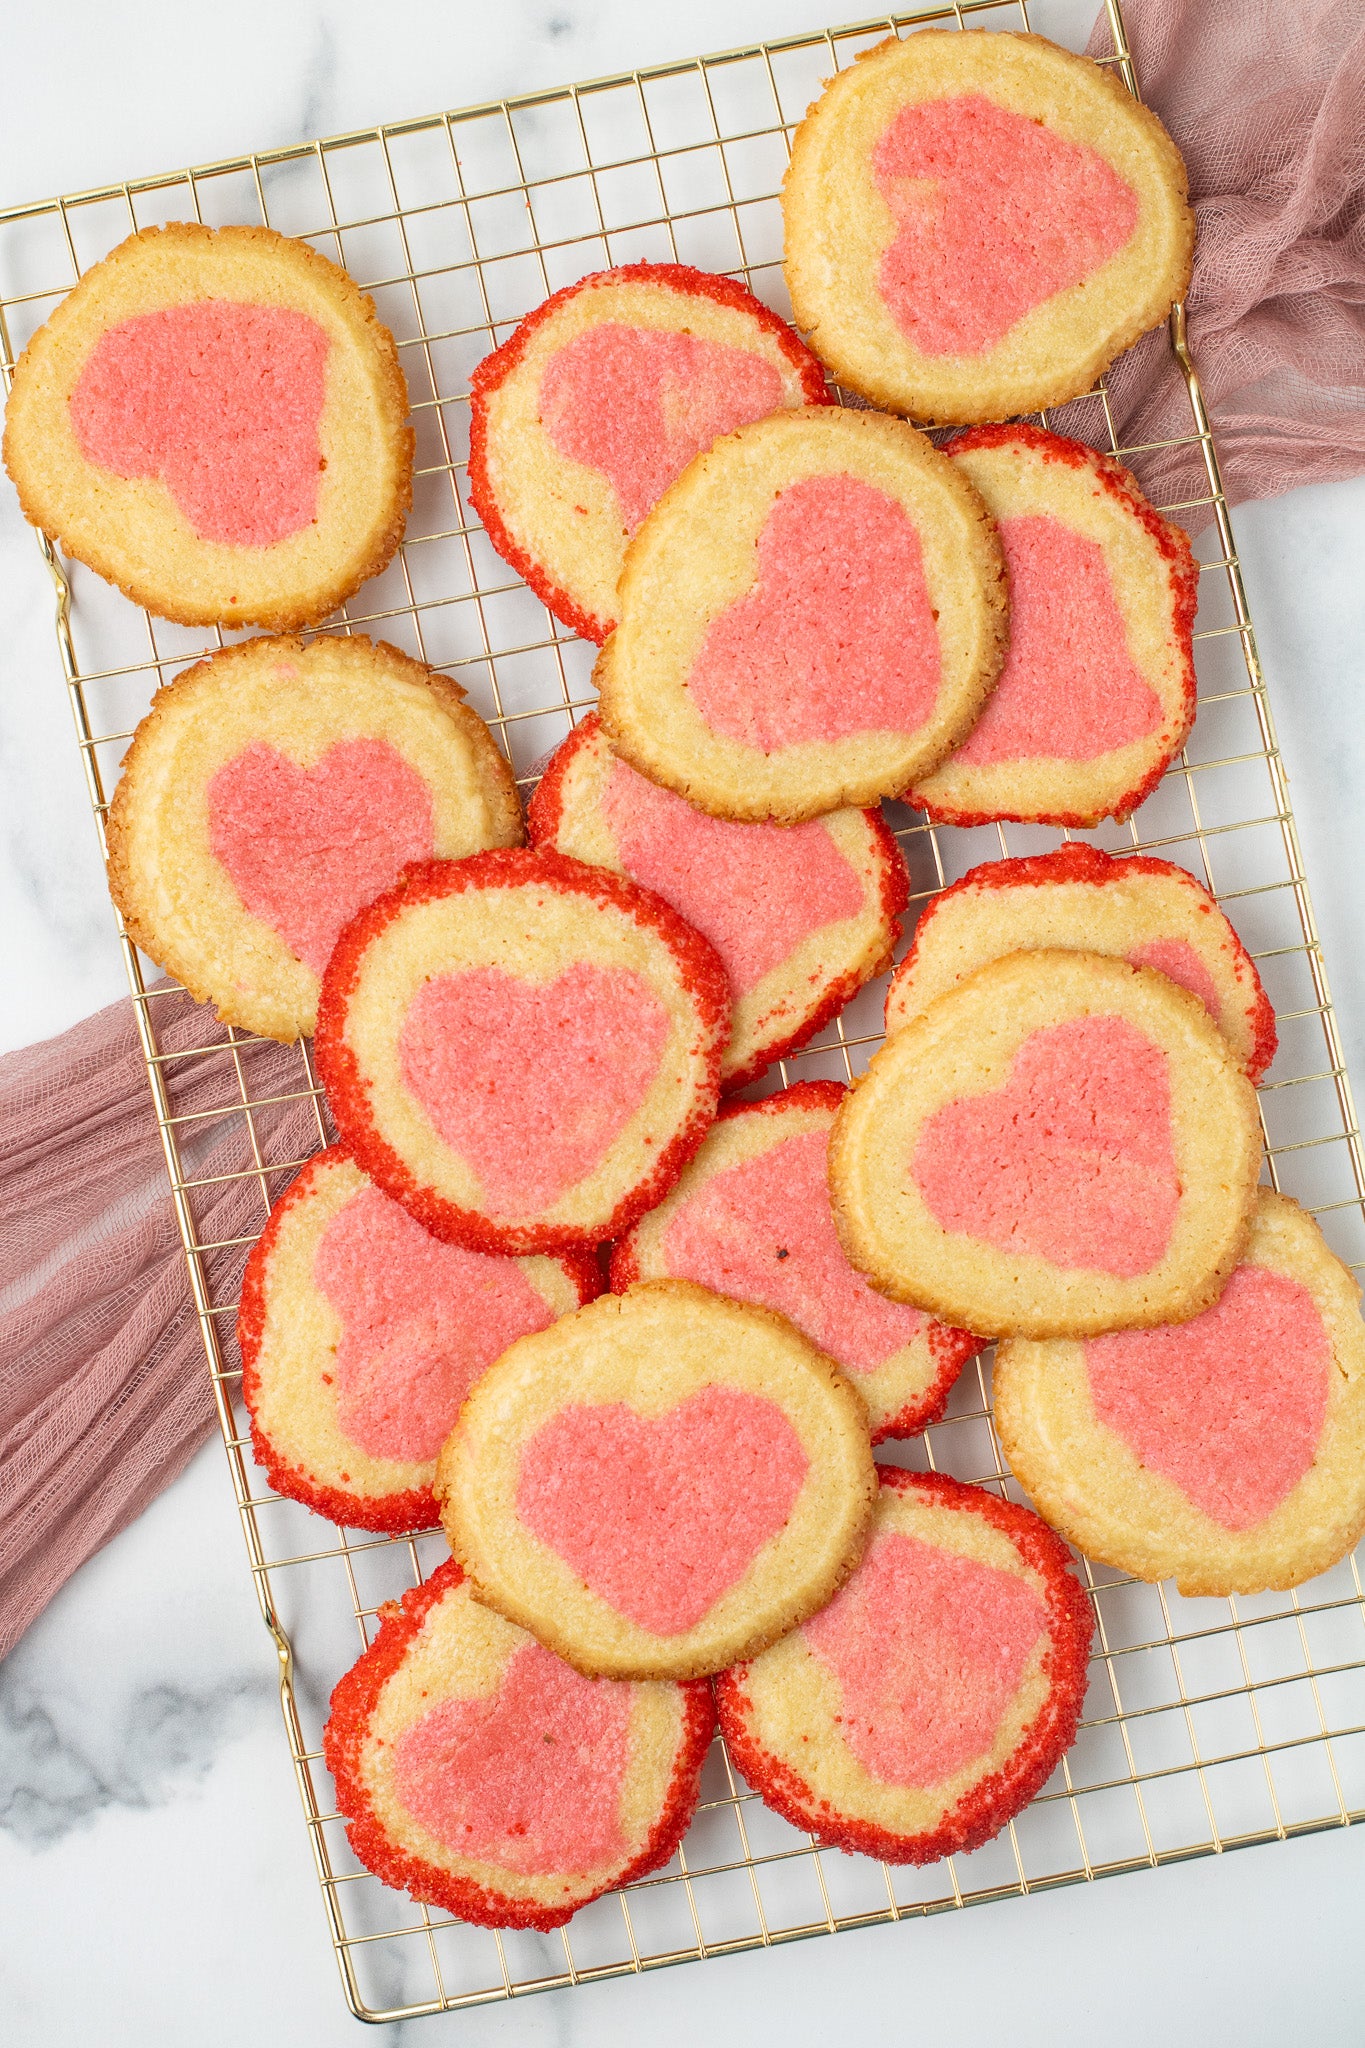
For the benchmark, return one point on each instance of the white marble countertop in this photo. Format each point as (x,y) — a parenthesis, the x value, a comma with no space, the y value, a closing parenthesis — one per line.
(156,1878)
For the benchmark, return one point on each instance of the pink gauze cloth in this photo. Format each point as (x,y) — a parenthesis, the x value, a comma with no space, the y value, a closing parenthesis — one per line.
(1267,104)
(104,1394)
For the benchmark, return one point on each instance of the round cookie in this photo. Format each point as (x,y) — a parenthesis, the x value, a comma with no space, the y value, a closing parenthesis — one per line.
(977,224)
(801,915)
(751,1218)
(935,1695)
(361,1334)
(659,1484)
(1060,1145)
(214,420)
(811,617)
(601,397)
(1227,1453)
(1149,912)
(478,1772)
(275,789)
(523,1050)
(1097,694)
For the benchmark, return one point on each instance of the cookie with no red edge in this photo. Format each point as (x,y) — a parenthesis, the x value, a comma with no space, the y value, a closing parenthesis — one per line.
(1227,1453)
(523,1050)
(274,789)
(361,1334)
(937,1692)
(1097,694)
(477,1771)
(1060,1145)
(215,420)
(977,224)
(801,915)
(811,617)
(751,1218)
(603,395)
(1147,911)
(661,1483)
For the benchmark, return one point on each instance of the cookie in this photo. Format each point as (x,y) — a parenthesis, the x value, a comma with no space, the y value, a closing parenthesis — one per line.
(977,224)
(1227,1453)
(1061,1144)
(478,1772)
(361,1334)
(1146,911)
(751,1218)
(214,420)
(523,1050)
(801,915)
(938,1691)
(1097,695)
(811,617)
(659,1484)
(273,790)
(603,395)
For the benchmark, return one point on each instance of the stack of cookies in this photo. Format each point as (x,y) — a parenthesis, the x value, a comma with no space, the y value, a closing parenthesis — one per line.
(632,1348)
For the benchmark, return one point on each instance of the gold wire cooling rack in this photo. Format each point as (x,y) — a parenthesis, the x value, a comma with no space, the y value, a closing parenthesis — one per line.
(1210,1723)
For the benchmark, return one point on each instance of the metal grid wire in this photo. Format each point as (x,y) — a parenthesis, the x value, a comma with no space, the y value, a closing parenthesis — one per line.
(1209,1723)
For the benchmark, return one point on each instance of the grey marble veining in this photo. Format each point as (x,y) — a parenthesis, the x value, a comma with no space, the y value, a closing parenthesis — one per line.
(56,1777)
(155,1876)
(145,1667)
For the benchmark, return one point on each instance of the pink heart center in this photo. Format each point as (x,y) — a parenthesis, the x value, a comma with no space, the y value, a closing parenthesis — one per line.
(755,891)
(420,1320)
(929,1649)
(1178,961)
(529,1778)
(763,1231)
(637,403)
(994,213)
(532,1082)
(1070,1161)
(1228,1407)
(222,402)
(837,636)
(1069,689)
(661,1518)
(306,848)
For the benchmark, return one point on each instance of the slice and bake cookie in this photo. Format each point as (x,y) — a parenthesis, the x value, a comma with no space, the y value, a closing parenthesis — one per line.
(812,616)
(977,224)
(599,400)
(273,790)
(1097,694)
(1060,1145)
(361,1334)
(659,1484)
(523,1050)
(938,1691)
(1228,1452)
(214,420)
(751,1218)
(801,915)
(478,1772)
(1146,911)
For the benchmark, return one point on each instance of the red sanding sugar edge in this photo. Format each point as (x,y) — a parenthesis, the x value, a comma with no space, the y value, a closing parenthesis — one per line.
(891,884)
(1080,862)
(1182,573)
(388,1513)
(700,973)
(343,1738)
(497,367)
(951,1348)
(986,1807)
